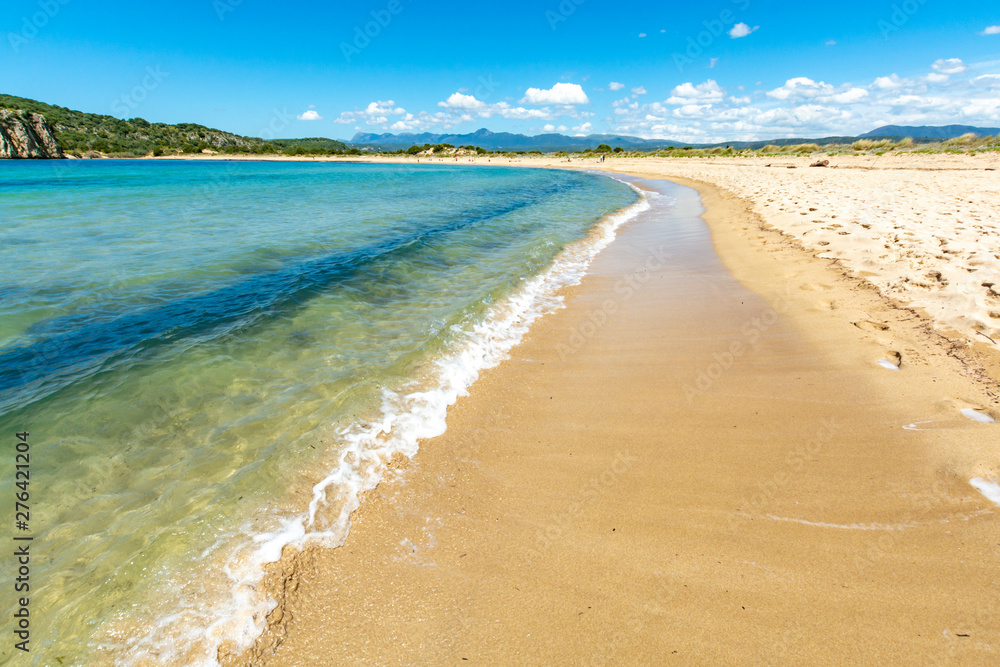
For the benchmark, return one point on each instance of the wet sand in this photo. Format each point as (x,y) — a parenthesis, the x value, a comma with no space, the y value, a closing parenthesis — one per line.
(681,467)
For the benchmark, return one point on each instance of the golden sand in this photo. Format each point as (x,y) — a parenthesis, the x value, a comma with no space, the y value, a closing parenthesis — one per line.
(716,472)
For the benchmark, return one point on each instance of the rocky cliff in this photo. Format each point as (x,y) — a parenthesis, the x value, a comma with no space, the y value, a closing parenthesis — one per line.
(26,135)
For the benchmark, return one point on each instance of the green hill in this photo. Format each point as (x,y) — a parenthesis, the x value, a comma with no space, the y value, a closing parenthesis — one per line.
(78,133)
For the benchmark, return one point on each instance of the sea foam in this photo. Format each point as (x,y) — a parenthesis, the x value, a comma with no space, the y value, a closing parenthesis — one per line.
(195,634)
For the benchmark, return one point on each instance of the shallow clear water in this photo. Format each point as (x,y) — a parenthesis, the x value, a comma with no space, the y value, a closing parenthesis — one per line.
(213,359)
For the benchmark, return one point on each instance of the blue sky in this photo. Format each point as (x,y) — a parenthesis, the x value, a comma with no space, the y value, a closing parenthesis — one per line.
(709,71)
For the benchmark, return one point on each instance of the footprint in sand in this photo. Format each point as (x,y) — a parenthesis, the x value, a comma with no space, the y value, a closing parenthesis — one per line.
(915,426)
(977,416)
(947,418)
(988,488)
(895,360)
(872,327)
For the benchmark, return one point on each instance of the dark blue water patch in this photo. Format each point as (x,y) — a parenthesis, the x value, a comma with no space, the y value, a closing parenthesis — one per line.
(69,348)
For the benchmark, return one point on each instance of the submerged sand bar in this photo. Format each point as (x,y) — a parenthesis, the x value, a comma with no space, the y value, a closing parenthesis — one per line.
(707,467)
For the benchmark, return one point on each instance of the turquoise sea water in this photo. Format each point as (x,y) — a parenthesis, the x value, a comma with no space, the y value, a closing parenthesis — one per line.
(213,359)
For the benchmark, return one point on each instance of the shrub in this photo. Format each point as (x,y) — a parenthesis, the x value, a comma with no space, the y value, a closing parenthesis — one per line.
(968,140)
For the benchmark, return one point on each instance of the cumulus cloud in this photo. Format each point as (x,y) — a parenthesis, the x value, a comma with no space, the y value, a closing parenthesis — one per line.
(992,30)
(949,66)
(376,113)
(520,113)
(741,30)
(800,87)
(987,80)
(385,108)
(805,107)
(688,93)
(562,93)
(706,112)
(849,96)
(460,101)
(639,90)
(309,115)
(891,82)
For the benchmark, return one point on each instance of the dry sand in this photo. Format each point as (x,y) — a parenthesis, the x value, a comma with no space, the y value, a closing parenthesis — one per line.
(718,473)
(924,230)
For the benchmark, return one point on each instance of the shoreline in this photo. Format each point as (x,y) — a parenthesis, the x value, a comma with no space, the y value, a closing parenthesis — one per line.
(825,344)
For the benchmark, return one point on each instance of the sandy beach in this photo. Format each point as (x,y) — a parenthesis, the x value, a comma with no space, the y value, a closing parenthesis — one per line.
(700,459)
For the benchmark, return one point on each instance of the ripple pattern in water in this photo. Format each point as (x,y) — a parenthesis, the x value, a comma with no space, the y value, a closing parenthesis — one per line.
(194,346)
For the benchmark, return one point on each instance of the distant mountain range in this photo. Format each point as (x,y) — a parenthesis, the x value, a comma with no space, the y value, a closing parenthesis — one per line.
(560,142)
(930,131)
(29,128)
(506,141)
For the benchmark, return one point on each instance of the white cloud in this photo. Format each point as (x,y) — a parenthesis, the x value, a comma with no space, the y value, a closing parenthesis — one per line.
(949,66)
(992,80)
(642,34)
(406,124)
(460,101)
(688,93)
(639,91)
(800,87)
(383,108)
(804,107)
(849,96)
(741,30)
(309,115)
(376,113)
(520,113)
(992,30)
(561,93)
(712,62)
(831,42)
(891,82)
(691,110)
(583,129)
(614,85)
